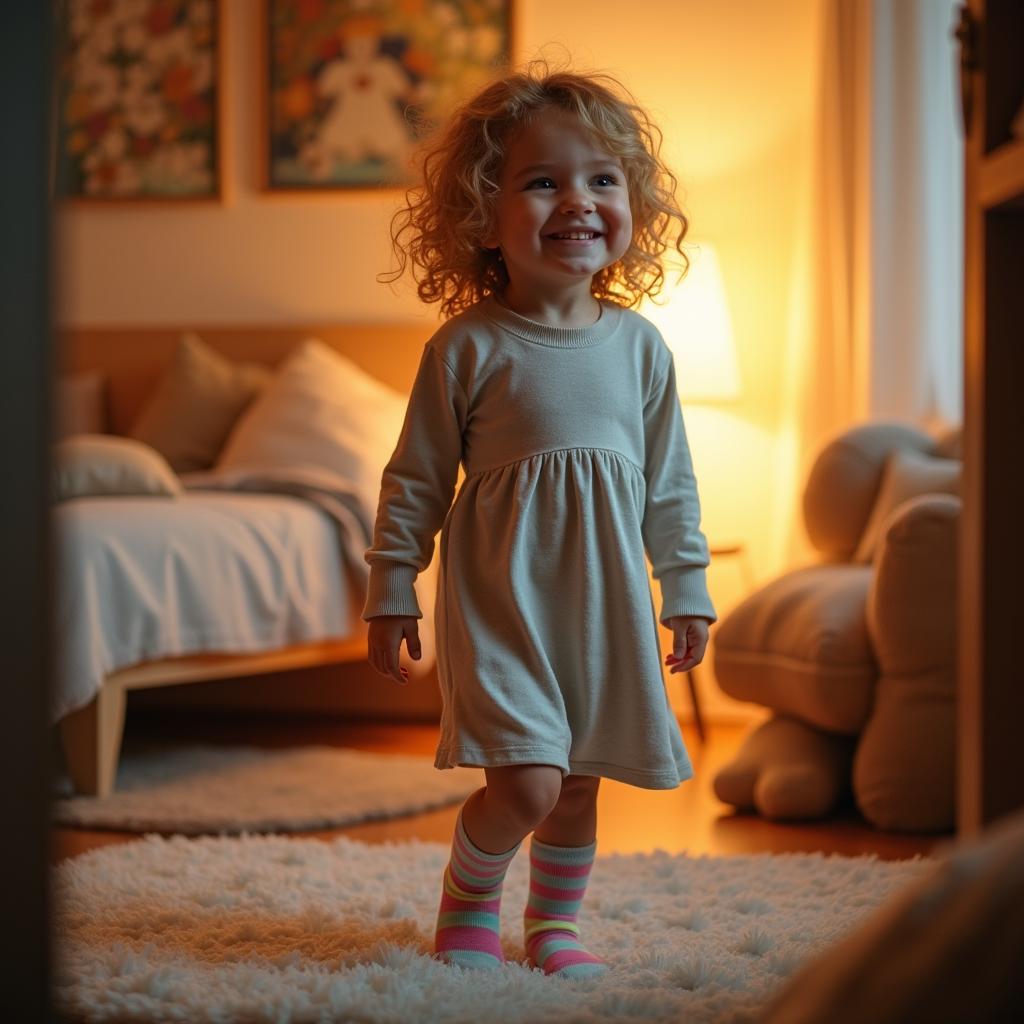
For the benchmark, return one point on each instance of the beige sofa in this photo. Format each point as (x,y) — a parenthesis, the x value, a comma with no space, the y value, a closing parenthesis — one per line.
(855,655)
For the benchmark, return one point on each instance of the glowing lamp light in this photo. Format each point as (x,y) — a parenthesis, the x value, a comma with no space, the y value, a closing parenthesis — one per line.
(693,318)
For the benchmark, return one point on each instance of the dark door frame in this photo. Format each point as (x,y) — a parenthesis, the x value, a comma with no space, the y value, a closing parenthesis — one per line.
(25,641)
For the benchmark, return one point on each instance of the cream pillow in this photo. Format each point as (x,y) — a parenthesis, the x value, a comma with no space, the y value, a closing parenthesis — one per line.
(320,410)
(79,404)
(844,479)
(104,464)
(196,403)
(907,474)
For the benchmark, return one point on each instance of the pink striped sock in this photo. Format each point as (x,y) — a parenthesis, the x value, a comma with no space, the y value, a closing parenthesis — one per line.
(468,919)
(558,880)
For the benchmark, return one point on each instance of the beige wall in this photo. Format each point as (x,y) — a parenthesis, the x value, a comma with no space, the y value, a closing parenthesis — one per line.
(730,83)
(727,81)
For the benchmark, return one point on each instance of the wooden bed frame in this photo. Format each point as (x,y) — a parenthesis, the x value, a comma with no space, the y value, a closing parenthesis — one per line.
(132,359)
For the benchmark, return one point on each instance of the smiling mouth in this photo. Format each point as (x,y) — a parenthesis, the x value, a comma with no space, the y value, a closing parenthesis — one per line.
(575,236)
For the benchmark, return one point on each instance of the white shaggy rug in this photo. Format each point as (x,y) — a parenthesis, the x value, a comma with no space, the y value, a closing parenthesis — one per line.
(228,790)
(266,928)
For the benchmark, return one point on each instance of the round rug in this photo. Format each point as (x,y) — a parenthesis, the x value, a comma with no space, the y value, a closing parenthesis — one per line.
(227,790)
(266,928)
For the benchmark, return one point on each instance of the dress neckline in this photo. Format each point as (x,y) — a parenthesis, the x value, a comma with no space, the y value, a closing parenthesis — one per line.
(556,337)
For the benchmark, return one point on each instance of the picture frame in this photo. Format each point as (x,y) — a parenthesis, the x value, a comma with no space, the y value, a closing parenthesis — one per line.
(137,101)
(350,86)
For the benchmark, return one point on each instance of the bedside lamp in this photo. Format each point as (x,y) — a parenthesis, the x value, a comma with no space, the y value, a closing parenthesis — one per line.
(696,326)
(694,321)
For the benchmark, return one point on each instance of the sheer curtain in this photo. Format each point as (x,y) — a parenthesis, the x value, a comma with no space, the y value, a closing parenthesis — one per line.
(917,214)
(875,327)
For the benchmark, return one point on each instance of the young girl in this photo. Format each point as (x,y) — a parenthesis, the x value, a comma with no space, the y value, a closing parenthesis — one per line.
(541,219)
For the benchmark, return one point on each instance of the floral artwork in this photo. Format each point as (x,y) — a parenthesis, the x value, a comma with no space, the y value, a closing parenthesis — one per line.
(136,99)
(354,83)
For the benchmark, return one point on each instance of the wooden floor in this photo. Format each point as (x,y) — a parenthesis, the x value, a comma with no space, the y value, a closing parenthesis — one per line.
(688,818)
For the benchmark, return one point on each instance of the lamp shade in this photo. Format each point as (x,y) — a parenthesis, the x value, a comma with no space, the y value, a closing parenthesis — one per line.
(693,318)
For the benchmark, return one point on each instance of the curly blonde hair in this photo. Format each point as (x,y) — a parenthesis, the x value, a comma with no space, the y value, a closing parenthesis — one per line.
(444,217)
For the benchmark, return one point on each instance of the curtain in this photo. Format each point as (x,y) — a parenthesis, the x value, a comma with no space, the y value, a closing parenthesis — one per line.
(917,215)
(875,322)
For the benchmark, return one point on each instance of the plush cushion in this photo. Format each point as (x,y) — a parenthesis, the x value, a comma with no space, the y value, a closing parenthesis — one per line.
(787,770)
(79,404)
(905,765)
(943,950)
(196,403)
(321,410)
(907,474)
(800,645)
(842,484)
(103,464)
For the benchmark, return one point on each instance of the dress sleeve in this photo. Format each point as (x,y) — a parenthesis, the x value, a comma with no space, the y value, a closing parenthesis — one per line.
(671,530)
(417,487)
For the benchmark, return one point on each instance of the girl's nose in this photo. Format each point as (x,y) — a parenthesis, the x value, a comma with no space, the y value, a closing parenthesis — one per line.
(577,201)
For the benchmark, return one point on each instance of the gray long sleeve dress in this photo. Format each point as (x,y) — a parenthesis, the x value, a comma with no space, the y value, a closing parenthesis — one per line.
(576,464)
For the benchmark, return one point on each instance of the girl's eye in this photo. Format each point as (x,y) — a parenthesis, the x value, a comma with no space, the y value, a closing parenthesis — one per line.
(606,179)
(541,183)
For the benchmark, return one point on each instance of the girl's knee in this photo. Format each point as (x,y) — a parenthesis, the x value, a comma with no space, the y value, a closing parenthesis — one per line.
(583,785)
(580,787)
(526,792)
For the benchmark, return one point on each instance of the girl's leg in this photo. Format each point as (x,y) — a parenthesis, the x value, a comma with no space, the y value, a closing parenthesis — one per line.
(512,803)
(489,830)
(561,856)
(573,819)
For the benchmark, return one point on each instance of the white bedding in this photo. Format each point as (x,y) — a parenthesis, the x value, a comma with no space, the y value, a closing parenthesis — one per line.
(140,579)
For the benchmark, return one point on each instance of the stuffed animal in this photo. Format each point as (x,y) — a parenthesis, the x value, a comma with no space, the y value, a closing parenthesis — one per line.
(786,769)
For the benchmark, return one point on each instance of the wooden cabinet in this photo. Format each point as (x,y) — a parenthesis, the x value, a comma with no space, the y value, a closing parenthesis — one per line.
(991,638)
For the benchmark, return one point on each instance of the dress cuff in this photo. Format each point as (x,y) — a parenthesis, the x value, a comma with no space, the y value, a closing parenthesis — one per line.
(684,591)
(390,590)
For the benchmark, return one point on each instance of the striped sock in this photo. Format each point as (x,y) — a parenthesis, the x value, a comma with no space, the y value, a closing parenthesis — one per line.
(558,880)
(467,921)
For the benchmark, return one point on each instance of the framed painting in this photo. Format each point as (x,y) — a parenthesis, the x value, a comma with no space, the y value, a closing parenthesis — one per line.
(351,85)
(137,98)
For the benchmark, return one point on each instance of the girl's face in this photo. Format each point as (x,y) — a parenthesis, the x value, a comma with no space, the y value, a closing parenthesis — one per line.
(563,210)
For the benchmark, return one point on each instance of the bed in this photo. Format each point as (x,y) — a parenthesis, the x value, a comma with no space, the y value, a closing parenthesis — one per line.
(243,571)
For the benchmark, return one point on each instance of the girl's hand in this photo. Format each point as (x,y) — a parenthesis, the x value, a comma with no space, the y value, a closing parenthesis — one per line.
(384,643)
(690,641)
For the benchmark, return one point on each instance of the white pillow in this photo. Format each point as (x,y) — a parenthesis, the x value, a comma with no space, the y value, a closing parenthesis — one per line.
(104,464)
(320,410)
(907,474)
